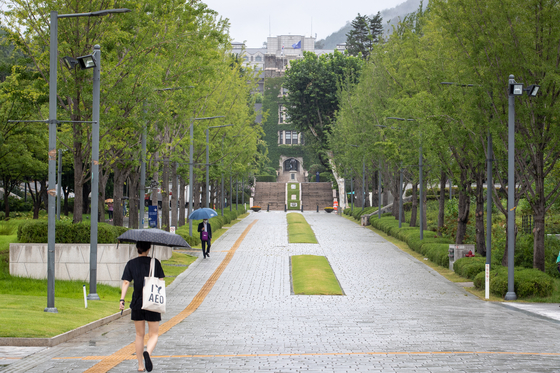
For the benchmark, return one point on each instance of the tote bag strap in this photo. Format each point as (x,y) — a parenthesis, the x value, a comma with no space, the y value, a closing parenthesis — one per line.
(152,267)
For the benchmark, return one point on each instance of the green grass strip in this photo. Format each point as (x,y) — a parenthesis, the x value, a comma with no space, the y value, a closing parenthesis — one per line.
(313,275)
(299,230)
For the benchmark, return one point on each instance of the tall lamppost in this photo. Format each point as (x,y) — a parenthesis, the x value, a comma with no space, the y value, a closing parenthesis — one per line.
(421,180)
(514,89)
(191,161)
(54,16)
(208,162)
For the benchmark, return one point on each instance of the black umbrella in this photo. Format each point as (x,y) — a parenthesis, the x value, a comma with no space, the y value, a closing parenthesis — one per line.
(155,236)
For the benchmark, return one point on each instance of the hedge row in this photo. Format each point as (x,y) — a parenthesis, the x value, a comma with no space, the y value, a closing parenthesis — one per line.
(36,231)
(528,281)
(216,222)
(432,247)
(266,178)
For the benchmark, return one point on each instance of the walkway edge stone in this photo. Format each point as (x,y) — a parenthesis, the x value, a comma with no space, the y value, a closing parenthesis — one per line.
(51,342)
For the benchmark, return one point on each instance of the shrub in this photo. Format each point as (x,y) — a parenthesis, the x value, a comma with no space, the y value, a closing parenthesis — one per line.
(437,253)
(66,232)
(266,178)
(469,267)
(527,282)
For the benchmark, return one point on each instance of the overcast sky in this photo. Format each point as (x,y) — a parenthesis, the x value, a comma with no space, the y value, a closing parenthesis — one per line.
(251,20)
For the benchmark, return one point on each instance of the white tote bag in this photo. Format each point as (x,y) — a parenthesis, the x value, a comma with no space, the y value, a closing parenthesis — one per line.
(153,293)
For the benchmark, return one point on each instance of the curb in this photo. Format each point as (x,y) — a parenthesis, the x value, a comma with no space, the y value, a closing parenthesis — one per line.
(56,340)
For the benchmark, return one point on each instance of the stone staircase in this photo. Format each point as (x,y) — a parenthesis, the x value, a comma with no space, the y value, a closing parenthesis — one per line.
(313,194)
(272,195)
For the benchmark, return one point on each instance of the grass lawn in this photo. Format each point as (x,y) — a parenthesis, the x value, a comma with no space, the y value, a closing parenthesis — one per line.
(313,275)
(24,300)
(299,230)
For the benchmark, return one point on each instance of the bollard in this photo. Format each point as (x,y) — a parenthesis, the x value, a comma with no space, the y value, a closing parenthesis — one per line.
(285,208)
(302,207)
(317,208)
(268,207)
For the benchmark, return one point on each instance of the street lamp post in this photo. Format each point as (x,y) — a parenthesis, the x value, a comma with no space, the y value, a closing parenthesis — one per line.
(208,161)
(53,59)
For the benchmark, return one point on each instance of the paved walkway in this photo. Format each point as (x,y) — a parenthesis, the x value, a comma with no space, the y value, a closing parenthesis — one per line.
(398,315)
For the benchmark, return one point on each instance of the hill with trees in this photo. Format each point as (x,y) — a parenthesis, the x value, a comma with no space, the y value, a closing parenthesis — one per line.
(390,17)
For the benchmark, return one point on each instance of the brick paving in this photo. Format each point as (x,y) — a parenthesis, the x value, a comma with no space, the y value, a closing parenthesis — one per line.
(397,315)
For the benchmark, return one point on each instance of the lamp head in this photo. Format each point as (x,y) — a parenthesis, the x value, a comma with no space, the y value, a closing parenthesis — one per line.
(516,89)
(86,62)
(532,90)
(70,62)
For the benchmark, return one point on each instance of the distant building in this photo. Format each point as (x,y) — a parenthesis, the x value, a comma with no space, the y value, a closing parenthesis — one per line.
(272,59)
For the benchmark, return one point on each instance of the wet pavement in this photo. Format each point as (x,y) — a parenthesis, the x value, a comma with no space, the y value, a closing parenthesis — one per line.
(235,312)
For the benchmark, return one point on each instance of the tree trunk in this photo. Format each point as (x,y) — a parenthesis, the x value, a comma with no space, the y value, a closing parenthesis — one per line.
(174,195)
(441,210)
(165,195)
(464,208)
(134,203)
(414,210)
(479,215)
(538,236)
(395,192)
(182,202)
(155,180)
(103,179)
(78,183)
(85,197)
(119,178)
(196,195)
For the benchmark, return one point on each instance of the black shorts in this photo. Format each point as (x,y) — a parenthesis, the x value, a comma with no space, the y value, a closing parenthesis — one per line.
(143,315)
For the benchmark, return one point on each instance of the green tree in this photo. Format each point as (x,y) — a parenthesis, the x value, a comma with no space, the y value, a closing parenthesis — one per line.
(313,84)
(365,32)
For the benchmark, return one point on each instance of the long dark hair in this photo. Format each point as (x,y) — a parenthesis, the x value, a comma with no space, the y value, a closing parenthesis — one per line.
(143,246)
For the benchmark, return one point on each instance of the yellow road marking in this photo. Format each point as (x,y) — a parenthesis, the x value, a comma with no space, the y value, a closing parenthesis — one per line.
(322,354)
(125,353)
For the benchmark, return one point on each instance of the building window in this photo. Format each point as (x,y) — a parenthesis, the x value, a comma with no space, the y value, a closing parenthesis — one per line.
(288,137)
(251,58)
(245,58)
(294,138)
(280,113)
(258,58)
(280,137)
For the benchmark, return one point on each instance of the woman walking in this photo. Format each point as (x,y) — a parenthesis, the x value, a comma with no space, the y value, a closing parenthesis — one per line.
(135,270)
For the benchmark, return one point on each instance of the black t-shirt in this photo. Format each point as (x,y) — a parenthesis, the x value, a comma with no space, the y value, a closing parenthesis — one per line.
(135,270)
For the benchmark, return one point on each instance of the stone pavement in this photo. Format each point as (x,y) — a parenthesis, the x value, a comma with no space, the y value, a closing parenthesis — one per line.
(397,315)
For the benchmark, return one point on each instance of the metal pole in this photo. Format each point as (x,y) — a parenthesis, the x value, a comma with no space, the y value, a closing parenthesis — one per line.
(243,191)
(52,161)
(400,200)
(510,295)
(352,195)
(191,150)
(421,193)
(236,192)
(489,185)
(142,189)
(207,169)
(222,198)
(364,183)
(94,175)
(58,192)
(379,195)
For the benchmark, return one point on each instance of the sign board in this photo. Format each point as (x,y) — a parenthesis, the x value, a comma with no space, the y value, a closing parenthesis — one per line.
(152,216)
(172,229)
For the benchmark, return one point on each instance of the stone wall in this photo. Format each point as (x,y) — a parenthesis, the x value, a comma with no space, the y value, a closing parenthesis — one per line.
(72,261)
